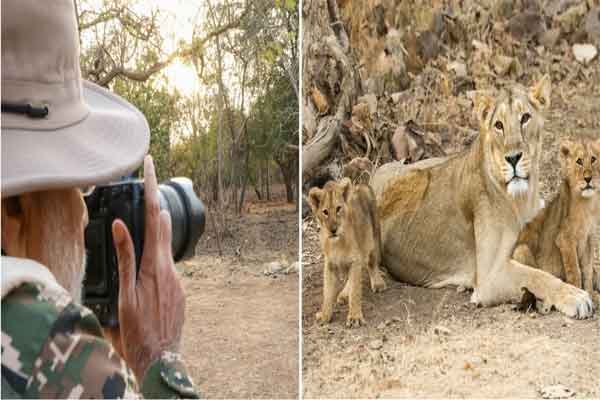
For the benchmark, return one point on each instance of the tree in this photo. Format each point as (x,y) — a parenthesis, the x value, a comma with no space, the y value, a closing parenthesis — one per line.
(242,125)
(161,108)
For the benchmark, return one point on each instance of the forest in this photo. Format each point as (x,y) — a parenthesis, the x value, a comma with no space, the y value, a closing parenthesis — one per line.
(233,128)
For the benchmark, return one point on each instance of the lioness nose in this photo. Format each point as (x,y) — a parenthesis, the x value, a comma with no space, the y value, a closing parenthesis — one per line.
(514,159)
(588,179)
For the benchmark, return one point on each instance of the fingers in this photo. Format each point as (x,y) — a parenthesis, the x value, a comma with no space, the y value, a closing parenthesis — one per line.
(126,261)
(152,209)
(114,336)
(165,232)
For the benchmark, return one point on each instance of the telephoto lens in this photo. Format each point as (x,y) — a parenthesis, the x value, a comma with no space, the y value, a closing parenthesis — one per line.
(125,200)
(187,215)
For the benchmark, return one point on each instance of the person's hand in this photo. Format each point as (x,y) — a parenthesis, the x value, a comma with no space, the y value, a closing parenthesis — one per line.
(151,307)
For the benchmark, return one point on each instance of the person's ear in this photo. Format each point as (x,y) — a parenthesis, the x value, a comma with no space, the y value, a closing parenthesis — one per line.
(13,226)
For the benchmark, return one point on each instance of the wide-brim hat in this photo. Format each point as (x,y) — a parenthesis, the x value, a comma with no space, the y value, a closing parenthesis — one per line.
(58,130)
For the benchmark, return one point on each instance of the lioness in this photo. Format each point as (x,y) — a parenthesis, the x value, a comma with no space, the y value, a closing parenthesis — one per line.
(560,240)
(456,220)
(350,240)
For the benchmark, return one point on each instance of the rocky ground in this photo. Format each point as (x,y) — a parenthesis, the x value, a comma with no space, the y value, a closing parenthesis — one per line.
(416,103)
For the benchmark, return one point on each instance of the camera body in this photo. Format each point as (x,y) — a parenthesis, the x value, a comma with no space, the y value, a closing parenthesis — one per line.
(125,200)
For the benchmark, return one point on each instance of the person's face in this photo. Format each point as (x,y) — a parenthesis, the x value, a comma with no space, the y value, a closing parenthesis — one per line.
(48,227)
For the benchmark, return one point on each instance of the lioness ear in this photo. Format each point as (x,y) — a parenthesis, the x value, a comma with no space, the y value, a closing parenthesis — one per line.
(539,93)
(483,106)
(314,199)
(345,184)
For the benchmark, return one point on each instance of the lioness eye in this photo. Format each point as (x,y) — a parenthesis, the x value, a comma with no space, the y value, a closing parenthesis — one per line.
(579,161)
(338,209)
(526,117)
(499,125)
(593,159)
(326,212)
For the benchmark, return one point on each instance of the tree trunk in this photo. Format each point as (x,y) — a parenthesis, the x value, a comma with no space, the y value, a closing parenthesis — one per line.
(287,171)
(268,181)
(246,176)
(220,128)
(326,52)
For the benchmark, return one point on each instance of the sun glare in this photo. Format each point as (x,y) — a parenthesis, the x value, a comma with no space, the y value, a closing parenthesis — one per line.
(182,77)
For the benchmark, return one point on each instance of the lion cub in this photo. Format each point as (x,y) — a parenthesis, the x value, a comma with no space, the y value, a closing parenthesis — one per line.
(560,239)
(350,241)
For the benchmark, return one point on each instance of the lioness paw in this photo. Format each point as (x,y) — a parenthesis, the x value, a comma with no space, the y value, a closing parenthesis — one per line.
(378,284)
(574,302)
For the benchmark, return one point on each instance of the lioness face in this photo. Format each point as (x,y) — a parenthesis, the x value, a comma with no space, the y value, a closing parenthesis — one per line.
(329,206)
(580,165)
(511,125)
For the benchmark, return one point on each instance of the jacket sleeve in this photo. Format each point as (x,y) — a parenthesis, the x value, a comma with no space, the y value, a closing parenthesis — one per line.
(167,377)
(60,352)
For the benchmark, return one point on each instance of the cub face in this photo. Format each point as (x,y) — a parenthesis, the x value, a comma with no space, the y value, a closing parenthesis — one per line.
(510,127)
(580,165)
(329,206)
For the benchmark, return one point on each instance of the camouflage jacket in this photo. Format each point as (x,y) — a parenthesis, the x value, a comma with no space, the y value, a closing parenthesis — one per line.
(53,347)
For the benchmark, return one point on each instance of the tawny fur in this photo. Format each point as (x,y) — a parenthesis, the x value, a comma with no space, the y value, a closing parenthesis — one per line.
(351,242)
(560,240)
(455,220)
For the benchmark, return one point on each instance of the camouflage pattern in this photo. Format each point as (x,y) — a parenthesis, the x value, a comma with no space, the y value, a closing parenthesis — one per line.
(169,370)
(52,347)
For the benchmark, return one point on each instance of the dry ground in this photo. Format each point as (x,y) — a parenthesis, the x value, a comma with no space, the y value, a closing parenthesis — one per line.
(241,332)
(477,352)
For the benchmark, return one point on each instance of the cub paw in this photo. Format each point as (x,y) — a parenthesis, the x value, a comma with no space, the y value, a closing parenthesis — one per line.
(355,321)
(574,302)
(322,318)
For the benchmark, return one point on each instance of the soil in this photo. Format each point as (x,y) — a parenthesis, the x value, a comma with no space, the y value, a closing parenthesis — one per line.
(433,343)
(241,330)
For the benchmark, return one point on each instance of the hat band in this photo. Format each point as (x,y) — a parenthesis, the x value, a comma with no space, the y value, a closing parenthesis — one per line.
(27,109)
(42,106)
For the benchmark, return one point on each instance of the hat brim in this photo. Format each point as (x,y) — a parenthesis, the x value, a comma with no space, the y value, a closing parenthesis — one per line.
(109,143)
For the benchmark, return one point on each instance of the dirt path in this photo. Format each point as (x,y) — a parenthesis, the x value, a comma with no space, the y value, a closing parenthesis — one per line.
(433,343)
(241,333)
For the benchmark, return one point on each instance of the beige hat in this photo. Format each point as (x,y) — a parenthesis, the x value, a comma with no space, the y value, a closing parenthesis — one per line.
(58,130)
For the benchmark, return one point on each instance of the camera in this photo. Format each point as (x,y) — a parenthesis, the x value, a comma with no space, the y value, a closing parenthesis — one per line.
(125,200)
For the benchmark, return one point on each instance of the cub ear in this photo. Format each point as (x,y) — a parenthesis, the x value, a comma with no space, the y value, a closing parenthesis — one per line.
(539,93)
(345,184)
(482,104)
(565,148)
(314,199)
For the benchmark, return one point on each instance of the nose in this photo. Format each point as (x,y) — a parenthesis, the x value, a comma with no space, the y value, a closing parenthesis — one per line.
(514,159)
(588,179)
(333,229)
